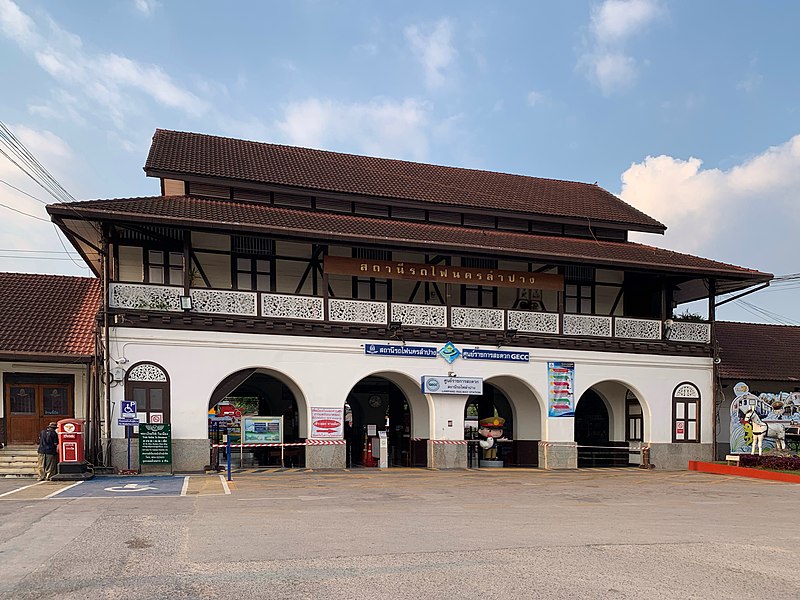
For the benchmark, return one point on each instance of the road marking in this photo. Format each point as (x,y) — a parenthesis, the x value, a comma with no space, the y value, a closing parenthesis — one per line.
(185,485)
(130,487)
(24,487)
(57,492)
(225,484)
(289,498)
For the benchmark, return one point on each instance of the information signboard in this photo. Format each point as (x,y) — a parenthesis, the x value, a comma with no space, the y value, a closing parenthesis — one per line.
(262,430)
(155,444)
(327,422)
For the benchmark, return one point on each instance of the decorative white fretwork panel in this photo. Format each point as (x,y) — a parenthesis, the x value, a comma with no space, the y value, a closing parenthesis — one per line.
(638,329)
(686,390)
(533,322)
(285,306)
(147,372)
(587,325)
(357,311)
(476,318)
(144,297)
(420,315)
(689,331)
(224,303)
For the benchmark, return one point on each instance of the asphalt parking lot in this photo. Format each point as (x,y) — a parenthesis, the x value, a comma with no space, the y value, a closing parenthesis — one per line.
(402,534)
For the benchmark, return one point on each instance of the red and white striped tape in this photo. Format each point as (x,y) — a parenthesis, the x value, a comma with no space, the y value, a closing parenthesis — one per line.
(272,445)
(257,445)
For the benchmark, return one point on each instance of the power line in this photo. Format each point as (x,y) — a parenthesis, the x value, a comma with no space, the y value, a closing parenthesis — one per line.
(22,212)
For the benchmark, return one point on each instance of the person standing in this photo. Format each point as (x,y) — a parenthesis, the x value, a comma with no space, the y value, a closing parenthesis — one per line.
(48,452)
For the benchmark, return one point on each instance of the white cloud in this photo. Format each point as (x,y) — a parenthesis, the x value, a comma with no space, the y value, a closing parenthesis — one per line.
(98,85)
(536,98)
(612,24)
(615,20)
(146,7)
(723,214)
(397,129)
(21,232)
(433,47)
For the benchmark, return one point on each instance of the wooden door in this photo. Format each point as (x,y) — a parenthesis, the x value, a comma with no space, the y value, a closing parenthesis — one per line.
(30,407)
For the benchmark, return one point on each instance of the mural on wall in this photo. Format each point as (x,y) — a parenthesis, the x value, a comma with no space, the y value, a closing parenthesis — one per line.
(780,412)
(561,392)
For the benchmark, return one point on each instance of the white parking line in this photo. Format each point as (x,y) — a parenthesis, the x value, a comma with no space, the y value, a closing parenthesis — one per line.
(24,487)
(57,492)
(224,484)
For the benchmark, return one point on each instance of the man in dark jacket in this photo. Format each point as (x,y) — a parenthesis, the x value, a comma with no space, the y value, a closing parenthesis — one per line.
(48,452)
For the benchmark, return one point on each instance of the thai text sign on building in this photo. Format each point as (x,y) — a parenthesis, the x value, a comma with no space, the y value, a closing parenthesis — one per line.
(435,384)
(327,422)
(155,444)
(387,269)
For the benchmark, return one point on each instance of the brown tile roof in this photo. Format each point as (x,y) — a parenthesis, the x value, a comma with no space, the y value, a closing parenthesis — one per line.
(48,315)
(265,218)
(212,156)
(755,352)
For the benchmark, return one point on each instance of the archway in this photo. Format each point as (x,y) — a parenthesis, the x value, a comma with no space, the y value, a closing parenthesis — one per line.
(382,402)
(610,424)
(259,392)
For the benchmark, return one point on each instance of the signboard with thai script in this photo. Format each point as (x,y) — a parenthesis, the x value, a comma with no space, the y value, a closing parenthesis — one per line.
(561,389)
(262,430)
(155,444)
(435,384)
(504,355)
(387,269)
(327,422)
(389,350)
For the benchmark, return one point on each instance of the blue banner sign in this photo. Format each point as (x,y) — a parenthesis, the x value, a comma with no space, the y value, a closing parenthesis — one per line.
(389,350)
(505,355)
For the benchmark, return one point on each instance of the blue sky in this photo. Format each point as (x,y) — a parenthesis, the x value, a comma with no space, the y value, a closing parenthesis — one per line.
(687,110)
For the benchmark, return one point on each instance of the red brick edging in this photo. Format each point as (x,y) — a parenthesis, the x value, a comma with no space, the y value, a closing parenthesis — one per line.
(705,467)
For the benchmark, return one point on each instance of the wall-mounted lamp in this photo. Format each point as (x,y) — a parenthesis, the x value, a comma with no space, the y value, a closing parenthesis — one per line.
(668,325)
(508,335)
(186,303)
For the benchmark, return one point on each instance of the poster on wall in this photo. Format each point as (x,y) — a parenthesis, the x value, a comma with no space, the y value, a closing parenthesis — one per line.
(561,389)
(327,423)
(262,430)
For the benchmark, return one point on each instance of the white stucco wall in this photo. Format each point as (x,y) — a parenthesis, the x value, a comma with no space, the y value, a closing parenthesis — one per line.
(321,372)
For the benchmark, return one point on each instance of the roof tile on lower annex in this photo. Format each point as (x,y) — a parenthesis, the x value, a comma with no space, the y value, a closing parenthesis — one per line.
(758,352)
(188,211)
(212,156)
(48,315)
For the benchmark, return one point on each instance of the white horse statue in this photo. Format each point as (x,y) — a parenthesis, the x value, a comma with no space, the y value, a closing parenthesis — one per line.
(762,430)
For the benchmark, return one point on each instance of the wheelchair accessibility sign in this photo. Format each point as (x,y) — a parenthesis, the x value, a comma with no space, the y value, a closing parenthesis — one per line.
(127,487)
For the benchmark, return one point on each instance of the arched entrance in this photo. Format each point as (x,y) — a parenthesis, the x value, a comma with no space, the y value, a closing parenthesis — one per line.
(261,393)
(609,426)
(517,404)
(492,404)
(378,404)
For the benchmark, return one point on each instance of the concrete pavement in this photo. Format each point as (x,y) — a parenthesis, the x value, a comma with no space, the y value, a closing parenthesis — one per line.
(405,534)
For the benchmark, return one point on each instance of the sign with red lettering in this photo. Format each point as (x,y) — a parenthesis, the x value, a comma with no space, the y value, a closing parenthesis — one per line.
(327,423)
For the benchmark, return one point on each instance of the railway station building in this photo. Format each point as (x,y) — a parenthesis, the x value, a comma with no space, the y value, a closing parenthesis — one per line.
(357,297)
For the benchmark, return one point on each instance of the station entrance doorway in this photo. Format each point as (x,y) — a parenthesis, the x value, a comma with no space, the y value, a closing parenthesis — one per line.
(255,392)
(376,405)
(492,403)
